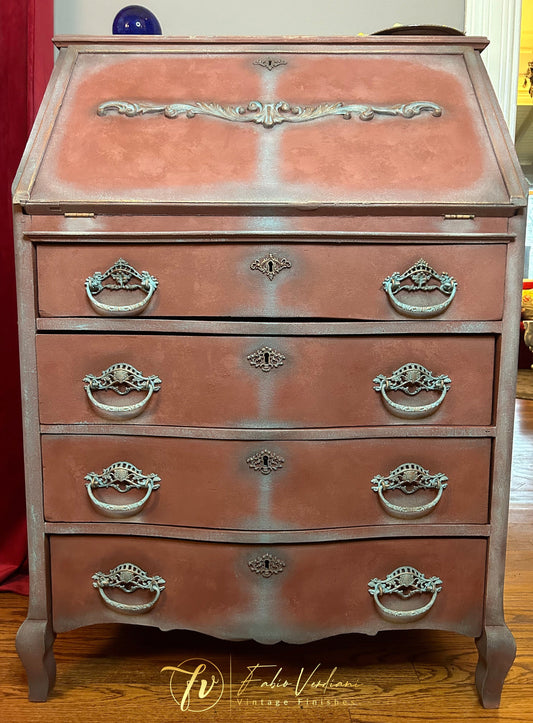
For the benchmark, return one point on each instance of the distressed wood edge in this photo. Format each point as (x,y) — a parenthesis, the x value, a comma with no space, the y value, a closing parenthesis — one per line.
(261,434)
(118,206)
(39,602)
(260,237)
(34,644)
(267,537)
(497,130)
(504,400)
(245,42)
(295,327)
(43,126)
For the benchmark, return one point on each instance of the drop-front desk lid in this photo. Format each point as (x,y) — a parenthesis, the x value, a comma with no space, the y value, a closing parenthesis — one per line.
(167,124)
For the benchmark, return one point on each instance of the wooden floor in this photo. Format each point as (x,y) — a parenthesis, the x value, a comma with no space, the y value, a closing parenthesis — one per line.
(114,673)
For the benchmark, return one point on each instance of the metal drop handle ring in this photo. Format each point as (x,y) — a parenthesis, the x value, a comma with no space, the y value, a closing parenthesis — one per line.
(128,411)
(403,616)
(405,582)
(415,412)
(419,277)
(409,478)
(123,477)
(122,274)
(122,379)
(128,578)
(411,379)
(130,609)
(410,513)
(120,510)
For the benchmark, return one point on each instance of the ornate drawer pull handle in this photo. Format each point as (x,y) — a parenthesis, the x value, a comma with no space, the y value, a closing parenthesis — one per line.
(404,582)
(123,477)
(411,379)
(270,265)
(409,478)
(122,379)
(419,278)
(266,565)
(266,359)
(122,275)
(128,578)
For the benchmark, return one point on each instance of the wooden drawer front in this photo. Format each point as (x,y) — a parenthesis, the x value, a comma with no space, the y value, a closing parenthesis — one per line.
(296,280)
(263,485)
(219,381)
(299,592)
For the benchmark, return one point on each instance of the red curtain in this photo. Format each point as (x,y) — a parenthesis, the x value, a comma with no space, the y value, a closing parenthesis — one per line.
(26,51)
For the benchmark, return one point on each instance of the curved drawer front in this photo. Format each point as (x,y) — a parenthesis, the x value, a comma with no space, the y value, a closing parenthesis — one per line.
(261,381)
(274,485)
(295,592)
(272,280)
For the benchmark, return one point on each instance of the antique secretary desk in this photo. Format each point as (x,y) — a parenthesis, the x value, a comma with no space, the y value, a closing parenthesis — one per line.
(269,302)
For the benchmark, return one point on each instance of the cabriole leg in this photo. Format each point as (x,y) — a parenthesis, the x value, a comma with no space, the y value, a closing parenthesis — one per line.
(35,641)
(497,649)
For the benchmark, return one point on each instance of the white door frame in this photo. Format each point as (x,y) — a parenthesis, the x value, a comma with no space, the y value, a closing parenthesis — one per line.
(499,21)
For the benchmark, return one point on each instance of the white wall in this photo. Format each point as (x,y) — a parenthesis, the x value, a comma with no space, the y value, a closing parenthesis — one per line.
(262,17)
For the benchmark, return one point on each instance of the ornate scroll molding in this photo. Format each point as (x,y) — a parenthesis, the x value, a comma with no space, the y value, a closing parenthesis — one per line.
(269,114)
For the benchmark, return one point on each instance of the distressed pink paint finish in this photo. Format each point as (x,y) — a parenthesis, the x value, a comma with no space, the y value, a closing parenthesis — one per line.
(118,154)
(331,281)
(262,422)
(210,381)
(321,588)
(387,160)
(423,158)
(214,483)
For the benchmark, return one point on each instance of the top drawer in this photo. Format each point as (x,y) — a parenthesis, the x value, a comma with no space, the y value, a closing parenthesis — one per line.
(284,280)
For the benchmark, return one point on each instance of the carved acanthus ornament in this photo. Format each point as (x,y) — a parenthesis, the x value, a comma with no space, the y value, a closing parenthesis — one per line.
(269,114)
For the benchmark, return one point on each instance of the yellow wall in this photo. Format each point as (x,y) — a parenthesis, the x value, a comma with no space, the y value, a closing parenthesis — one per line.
(526,52)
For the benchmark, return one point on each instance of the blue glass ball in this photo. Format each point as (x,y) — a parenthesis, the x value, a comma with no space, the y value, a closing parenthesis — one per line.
(136,20)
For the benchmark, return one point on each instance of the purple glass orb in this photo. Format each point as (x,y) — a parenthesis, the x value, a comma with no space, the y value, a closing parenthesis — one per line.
(136,20)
